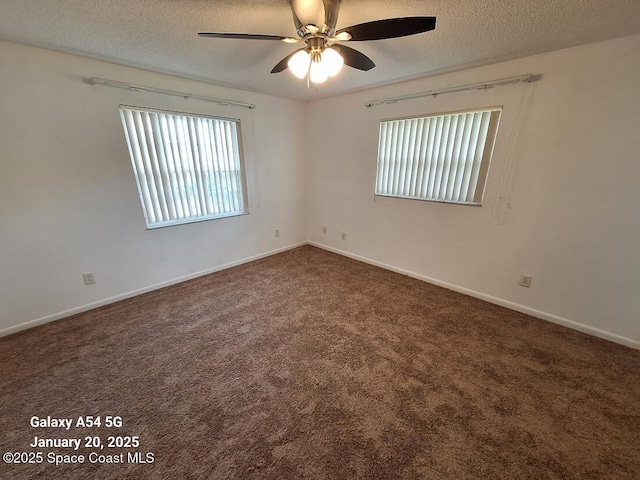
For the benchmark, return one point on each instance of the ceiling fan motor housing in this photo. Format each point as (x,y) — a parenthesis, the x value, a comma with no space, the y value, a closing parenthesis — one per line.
(316,43)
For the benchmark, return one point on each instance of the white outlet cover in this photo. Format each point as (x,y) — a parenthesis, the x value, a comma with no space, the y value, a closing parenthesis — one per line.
(525,281)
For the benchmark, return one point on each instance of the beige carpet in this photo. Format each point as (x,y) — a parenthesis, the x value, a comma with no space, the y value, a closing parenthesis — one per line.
(311,365)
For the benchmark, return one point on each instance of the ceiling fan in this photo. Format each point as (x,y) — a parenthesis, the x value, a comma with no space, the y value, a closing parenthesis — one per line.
(325,52)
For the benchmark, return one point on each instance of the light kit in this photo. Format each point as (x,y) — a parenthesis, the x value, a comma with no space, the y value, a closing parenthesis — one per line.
(317,63)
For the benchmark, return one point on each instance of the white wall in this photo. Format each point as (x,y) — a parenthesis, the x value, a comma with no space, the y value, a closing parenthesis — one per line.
(69,205)
(68,198)
(574,222)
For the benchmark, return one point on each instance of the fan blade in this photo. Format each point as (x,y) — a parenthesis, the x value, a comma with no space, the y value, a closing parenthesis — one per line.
(245,36)
(390,28)
(354,58)
(283,64)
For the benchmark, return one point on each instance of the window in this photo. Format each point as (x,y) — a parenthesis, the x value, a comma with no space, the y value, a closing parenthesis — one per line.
(442,157)
(188,167)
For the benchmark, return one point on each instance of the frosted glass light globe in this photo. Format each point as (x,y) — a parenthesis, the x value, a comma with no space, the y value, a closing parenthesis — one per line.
(332,61)
(309,12)
(299,64)
(318,72)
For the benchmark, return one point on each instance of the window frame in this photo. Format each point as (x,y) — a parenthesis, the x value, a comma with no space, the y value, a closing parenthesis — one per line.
(242,172)
(485,163)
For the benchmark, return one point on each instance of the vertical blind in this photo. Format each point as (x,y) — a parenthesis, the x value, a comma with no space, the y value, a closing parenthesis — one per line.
(440,157)
(187,167)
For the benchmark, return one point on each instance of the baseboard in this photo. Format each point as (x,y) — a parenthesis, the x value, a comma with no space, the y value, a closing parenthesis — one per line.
(90,306)
(482,296)
(491,299)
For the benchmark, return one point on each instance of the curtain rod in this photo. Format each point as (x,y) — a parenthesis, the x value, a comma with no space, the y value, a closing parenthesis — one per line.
(139,88)
(473,86)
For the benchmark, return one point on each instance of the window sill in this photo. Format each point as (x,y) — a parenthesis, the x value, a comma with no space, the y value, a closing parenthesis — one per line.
(174,223)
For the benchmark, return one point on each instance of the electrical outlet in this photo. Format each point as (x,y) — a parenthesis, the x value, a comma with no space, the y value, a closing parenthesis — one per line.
(324,229)
(344,235)
(277,232)
(88,278)
(525,281)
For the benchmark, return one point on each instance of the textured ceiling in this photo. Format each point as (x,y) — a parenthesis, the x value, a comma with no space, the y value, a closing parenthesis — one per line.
(161,35)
